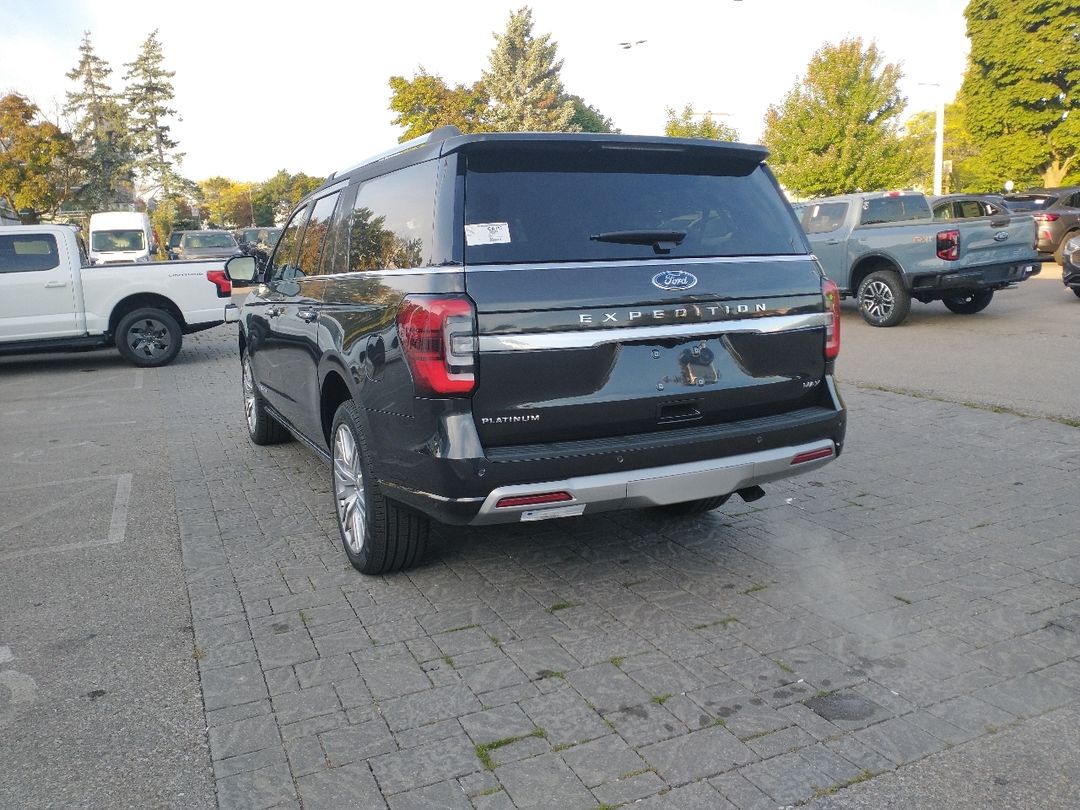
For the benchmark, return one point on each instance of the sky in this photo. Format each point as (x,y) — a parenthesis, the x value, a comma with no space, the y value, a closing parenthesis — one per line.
(303,86)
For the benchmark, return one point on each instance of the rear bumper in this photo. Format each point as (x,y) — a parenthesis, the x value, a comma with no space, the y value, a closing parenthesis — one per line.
(987,277)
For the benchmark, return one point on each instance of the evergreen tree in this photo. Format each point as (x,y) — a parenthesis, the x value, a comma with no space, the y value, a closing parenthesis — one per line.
(836,130)
(149,94)
(100,131)
(683,125)
(523,81)
(588,119)
(1022,88)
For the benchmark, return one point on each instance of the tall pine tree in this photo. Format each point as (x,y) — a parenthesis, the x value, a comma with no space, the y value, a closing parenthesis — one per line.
(149,94)
(101,133)
(1022,88)
(524,83)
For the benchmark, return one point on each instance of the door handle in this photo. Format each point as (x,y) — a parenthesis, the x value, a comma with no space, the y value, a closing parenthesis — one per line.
(55,283)
(307,315)
(833,242)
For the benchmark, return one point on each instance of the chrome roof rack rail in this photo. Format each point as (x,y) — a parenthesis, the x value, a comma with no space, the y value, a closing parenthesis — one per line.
(435,136)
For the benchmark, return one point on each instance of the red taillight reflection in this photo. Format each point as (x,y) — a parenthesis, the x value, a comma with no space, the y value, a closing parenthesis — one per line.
(221,281)
(948,245)
(1047,217)
(533,500)
(831,292)
(438,338)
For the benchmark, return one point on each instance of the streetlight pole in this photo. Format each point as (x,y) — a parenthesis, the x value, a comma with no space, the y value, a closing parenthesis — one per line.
(939,136)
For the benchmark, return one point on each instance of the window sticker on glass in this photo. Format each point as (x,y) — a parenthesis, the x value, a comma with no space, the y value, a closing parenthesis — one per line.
(487,233)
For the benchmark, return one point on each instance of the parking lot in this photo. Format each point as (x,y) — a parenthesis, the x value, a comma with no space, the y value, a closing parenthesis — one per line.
(179,626)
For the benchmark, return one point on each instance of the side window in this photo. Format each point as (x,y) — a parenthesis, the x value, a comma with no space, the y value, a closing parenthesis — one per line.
(315,234)
(994,210)
(824,217)
(393,220)
(336,250)
(28,253)
(971,208)
(943,211)
(283,262)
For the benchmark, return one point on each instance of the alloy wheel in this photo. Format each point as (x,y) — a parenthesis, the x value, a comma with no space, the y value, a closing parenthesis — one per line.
(149,338)
(349,489)
(877,299)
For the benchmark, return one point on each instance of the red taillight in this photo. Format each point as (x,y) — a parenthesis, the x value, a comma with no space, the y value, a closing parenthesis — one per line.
(438,337)
(831,292)
(813,455)
(948,245)
(534,500)
(1047,217)
(221,281)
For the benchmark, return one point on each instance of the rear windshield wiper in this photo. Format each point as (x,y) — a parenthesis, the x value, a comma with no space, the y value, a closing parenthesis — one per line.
(661,241)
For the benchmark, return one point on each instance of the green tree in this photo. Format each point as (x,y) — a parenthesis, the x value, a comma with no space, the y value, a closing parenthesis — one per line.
(587,118)
(524,82)
(426,102)
(1022,88)
(683,125)
(968,172)
(274,199)
(101,133)
(149,94)
(836,130)
(38,167)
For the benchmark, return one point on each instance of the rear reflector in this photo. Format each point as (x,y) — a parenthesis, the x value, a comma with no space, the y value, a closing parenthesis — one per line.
(534,500)
(812,455)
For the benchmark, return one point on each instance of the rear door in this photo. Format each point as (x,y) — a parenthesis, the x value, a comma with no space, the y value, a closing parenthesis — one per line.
(37,292)
(625,291)
(823,224)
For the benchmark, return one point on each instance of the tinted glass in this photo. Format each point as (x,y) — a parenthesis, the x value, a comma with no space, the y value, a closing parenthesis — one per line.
(102,241)
(1029,202)
(174,238)
(894,209)
(823,217)
(943,211)
(283,262)
(25,253)
(544,205)
(393,220)
(208,240)
(315,234)
(971,208)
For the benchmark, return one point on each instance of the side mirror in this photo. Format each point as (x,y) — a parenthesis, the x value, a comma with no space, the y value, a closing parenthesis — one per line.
(242,269)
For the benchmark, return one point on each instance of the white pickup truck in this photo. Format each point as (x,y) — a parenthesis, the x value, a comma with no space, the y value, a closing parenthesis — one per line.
(51,299)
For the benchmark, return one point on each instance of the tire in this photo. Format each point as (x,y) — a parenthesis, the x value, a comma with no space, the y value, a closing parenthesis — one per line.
(883,301)
(698,507)
(263,429)
(379,535)
(968,302)
(1076,291)
(1059,254)
(148,337)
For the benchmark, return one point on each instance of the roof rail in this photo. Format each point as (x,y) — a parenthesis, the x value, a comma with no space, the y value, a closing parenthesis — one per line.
(435,136)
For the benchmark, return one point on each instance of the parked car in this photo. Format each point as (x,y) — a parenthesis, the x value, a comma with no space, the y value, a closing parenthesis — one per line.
(174,243)
(207,245)
(967,206)
(885,249)
(1057,216)
(1070,264)
(51,299)
(511,327)
(258,242)
(121,237)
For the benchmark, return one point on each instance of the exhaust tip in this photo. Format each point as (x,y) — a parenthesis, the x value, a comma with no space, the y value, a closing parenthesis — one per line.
(749,494)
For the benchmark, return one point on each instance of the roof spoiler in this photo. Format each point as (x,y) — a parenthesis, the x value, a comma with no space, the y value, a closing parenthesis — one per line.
(435,136)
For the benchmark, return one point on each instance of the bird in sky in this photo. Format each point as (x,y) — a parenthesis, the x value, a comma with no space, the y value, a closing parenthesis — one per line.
(627,45)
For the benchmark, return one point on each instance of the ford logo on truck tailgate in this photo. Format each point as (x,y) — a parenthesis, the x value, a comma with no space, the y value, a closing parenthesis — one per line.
(1001,236)
(674,280)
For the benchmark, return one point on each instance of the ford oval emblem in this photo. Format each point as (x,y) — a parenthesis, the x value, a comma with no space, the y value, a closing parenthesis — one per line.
(1001,236)
(674,280)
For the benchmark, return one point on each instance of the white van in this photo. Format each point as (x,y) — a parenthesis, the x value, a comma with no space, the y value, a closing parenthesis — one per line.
(121,237)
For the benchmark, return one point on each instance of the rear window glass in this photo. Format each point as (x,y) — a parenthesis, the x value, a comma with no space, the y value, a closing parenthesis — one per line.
(541,206)
(104,241)
(24,253)
(894,209)
(823,217)
(208,240)
(1029,202)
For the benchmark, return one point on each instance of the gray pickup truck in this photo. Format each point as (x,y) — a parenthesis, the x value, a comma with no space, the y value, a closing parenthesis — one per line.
(886,249)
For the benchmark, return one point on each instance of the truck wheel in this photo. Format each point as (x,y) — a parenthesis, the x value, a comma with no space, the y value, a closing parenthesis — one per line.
(148,337)
(1076,291)
(262,428)
(968,302)
(883,301)
(378,534)
(698,507)
(1059,254)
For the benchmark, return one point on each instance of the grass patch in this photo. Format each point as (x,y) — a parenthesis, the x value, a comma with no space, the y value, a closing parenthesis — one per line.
(903,599)
(982,525)
(483,750)
(718,623)
(563,747)
(448,661)
(753,589)
(638,772)
(660,700)
(617,660)
(563,606)
(829,791)
(756,736)
(784,667)
(491,791)
(198,653)
(496,642)
(719,721)
(304,619)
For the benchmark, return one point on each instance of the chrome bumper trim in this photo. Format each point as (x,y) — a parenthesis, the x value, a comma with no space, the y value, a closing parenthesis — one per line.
(232,313)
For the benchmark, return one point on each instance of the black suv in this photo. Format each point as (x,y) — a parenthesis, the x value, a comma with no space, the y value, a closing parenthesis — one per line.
(518,326)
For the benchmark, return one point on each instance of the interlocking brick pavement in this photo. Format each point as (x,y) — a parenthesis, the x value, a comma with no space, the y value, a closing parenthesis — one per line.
(921,592)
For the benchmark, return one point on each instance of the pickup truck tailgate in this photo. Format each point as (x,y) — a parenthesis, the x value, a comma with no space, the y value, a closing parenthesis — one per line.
(986,241)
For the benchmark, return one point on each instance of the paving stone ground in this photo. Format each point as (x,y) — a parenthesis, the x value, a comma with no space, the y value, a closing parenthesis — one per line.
(920,593)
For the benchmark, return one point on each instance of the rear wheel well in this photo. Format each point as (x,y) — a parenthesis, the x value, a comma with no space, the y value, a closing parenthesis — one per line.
(134,302)
(868,266)
(334,392)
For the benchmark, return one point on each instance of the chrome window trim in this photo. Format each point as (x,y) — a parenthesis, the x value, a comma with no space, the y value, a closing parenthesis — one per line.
(584,265)
(588,339)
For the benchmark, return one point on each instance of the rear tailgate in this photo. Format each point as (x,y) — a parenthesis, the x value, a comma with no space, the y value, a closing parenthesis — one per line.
(995,240)
(587,338)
